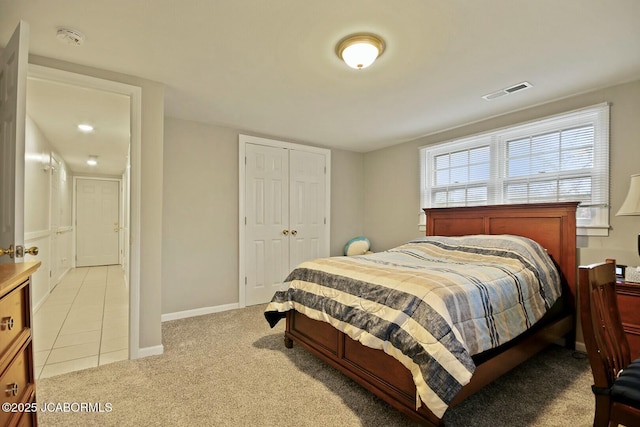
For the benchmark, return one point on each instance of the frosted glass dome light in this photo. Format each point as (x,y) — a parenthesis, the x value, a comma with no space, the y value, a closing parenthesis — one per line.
(360,50)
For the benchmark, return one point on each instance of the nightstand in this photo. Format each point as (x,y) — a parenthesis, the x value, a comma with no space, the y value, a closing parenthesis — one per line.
(629,306)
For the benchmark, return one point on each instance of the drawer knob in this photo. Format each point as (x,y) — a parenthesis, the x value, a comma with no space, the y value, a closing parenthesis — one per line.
(7,323)
(13,389)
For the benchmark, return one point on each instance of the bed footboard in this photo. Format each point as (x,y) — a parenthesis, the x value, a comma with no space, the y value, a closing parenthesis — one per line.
(388,379)
(373,369)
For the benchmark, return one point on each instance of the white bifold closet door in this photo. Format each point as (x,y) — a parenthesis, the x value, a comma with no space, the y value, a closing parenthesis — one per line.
(285,215)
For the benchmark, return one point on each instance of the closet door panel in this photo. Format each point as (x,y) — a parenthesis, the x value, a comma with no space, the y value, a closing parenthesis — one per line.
(307,208)
(267,217)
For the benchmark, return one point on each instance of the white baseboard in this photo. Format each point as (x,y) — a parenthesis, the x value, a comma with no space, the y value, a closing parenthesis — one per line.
(62,276)
(580,347)
(38,304)
(198,312)
(149,351)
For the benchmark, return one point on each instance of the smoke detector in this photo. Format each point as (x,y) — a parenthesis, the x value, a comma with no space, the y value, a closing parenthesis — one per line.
(70,36)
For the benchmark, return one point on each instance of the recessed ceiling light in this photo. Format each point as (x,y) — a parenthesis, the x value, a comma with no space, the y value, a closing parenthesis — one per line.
(92,161)
(86,128)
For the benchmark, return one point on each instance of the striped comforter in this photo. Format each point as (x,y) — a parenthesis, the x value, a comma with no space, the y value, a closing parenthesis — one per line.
(431,303)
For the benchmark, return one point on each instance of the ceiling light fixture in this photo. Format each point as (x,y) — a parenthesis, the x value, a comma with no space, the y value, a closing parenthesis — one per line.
(360,50)
(92,161)
(86,128)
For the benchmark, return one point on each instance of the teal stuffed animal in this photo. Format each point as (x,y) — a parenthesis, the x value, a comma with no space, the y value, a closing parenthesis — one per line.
(357,246)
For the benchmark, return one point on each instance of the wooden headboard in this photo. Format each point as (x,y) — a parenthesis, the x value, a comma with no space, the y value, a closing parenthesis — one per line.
(553,225)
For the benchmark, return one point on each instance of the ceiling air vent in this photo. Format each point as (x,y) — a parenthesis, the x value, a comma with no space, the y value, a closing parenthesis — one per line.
(507,91)
(518,87)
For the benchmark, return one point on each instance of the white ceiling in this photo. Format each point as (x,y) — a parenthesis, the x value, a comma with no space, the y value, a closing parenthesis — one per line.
(269,67)
(58,109)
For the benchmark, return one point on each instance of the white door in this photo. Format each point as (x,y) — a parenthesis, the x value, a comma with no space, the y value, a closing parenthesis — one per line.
(97,226)
(307,200)
(267,221)
(286,200)
(13,86)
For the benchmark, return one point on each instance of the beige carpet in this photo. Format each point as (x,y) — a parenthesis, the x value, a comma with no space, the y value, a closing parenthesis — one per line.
(230,369)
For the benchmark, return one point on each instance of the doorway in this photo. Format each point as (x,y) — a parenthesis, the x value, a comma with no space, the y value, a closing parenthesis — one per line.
(125,270)
(97,222)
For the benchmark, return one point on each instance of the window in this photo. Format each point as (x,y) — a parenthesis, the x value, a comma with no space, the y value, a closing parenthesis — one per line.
(559,158)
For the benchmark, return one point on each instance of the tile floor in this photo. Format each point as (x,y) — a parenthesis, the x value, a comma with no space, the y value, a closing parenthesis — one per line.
(83,323)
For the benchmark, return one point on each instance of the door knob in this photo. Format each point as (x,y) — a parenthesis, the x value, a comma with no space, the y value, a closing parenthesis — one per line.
(294,232)
(9,251)
(33,250)
(285,232)
(20,251)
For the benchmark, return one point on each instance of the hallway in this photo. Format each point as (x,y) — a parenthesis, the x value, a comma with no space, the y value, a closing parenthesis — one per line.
(83,323)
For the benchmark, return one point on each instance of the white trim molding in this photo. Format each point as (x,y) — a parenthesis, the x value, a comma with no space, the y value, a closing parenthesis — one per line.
(155,350)
(198,312)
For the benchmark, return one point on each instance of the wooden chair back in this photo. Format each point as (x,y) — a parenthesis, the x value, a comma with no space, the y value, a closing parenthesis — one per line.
(604,337)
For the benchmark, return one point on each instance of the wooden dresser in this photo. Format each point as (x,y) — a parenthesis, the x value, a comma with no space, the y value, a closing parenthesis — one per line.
(629,306)
(17,380)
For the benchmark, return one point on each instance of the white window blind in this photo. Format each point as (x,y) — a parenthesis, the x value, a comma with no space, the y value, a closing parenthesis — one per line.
(559,158)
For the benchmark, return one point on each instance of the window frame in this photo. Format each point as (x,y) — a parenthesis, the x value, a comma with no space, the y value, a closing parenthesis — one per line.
(592,217)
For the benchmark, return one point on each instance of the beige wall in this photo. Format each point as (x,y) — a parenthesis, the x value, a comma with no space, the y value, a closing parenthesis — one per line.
(392,189)
(200,213)
(37,185)
(150,194)
(391,195)
(200,216)
(347,198)
(37,198)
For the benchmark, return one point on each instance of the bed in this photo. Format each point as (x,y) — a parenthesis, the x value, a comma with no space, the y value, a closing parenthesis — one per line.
(398,377)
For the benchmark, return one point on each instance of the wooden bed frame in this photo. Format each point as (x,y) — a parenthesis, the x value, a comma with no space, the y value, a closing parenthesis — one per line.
(553,225)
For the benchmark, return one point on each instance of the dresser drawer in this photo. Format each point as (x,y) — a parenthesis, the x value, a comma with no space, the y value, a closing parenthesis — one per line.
(14,382)
(14,309)
(628,304)
(26,419)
